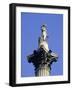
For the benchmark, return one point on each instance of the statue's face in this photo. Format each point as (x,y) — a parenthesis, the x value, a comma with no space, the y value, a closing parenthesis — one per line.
(43,28)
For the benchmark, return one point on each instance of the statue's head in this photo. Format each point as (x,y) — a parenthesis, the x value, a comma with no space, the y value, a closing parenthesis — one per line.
(43,27)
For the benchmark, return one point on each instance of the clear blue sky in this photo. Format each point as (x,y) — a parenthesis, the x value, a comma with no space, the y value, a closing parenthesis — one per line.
(31,30)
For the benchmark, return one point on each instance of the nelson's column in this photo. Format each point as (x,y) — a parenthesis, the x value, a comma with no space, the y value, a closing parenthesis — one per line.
(43,57)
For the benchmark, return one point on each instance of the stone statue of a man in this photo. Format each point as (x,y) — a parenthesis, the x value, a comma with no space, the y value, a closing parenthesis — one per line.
(43,39)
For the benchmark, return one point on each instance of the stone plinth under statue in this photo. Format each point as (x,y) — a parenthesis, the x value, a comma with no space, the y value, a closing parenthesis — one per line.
(42,58)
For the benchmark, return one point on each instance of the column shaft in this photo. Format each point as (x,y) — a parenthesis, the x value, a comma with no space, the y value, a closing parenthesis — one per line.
(44,70)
